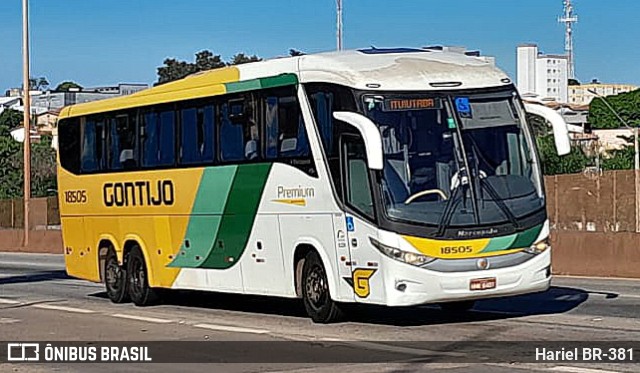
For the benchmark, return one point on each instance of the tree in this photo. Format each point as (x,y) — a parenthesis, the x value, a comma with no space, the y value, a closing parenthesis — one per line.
(43,161)
(66,86)
(241,58)
(10,150)
(553,164)
(573,82)
(206,60)
(38,84)
(627,105)
(173,69)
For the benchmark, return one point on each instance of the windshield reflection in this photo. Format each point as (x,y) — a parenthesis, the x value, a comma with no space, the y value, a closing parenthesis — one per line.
(425,177)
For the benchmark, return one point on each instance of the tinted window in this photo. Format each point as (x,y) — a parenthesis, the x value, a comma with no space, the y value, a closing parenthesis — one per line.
(69,139)
(324,100)
(158,138)
(284,128)
(197,135)
(93,144)
(231,136)
(239,130)
(122,142)
(357,174)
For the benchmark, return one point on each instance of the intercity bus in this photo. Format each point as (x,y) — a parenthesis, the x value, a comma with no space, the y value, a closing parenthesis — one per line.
(395,177)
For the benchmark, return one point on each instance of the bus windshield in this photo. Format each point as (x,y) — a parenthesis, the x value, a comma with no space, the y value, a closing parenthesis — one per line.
(456,161)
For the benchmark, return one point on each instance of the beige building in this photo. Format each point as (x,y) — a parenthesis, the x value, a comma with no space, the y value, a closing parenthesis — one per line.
(580,95)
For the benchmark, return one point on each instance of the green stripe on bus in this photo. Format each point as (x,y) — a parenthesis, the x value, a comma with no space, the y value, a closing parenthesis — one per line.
(279,81)
(208,206)
(239,216)
(527,238)
(500,243)
(262,83)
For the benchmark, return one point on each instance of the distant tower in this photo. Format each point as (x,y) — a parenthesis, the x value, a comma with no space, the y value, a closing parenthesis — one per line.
(569,18)
(339,24)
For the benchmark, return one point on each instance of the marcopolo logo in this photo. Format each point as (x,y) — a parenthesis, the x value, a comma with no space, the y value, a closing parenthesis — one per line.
(23,352)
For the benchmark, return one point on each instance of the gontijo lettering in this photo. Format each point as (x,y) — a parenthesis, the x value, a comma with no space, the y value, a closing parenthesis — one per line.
(138,193)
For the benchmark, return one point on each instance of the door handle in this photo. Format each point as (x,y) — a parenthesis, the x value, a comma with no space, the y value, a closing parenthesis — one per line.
(354,242)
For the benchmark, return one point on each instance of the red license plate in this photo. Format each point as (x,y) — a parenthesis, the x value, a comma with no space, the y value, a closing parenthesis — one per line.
(482,283)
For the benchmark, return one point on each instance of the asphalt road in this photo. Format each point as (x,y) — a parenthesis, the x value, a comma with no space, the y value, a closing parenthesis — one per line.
(38,302)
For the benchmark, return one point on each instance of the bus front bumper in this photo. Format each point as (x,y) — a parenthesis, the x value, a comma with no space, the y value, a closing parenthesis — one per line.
(406,285)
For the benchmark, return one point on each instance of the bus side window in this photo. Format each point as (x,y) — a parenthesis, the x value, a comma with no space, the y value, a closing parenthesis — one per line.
(70,131)
(122,142)
(285,131)
(196,140)
(231,136)
(90,138)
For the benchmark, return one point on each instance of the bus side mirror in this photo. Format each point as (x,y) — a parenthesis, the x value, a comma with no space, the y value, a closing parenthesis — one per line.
(559,126)
(370,134)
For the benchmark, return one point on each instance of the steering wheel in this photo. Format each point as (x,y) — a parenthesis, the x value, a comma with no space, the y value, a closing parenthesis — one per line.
(415,196)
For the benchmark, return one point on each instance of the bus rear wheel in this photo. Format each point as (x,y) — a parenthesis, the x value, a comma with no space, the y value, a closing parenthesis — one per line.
(140,292)
(115,279)
(315,292)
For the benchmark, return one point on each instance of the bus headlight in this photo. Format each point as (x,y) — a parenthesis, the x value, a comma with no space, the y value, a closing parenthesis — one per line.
(539,247)
(401,255)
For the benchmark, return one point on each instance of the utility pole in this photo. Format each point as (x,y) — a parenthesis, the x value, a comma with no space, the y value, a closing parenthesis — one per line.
(339,24)
(27,117)
(569,18)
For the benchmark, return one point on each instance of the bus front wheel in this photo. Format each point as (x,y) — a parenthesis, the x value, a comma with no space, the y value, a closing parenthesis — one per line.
(115,279)
(315,291)
(140,292)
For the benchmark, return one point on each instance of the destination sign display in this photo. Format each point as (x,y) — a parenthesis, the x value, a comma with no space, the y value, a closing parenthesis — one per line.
(411,103)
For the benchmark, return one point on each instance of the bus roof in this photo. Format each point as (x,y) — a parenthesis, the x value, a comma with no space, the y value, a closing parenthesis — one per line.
(368,69)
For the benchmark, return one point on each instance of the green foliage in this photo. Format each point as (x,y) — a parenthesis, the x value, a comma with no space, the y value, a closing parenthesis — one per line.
(627,105)
(553,164)
(241,58)
(67,86)
(10,151)
(574,82)
(39,84)
(173,69)
(43,161)
(622,159)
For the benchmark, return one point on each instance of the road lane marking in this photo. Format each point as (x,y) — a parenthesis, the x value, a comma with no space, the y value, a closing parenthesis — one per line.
(8,301)
(227,328)
(570,369)
(143,318)
(54,307)
(8,320)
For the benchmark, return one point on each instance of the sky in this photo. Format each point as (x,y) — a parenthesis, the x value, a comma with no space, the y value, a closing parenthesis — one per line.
(105,42)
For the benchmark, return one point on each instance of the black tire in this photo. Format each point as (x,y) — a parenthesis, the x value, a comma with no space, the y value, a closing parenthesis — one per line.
(458,307)
(140,292)
(315,292)
(115,279)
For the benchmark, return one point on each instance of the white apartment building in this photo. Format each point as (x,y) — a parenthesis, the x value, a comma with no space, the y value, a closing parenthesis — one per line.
(583,94)
(542,75)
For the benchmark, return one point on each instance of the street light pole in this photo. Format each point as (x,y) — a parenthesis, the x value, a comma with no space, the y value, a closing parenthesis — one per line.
(27,117)
(339,24)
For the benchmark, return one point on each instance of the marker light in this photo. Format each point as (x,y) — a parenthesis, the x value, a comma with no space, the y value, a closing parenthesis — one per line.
(400,255)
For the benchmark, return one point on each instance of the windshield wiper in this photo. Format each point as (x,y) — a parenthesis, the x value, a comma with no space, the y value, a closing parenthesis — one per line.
(500,203)
(449,209)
